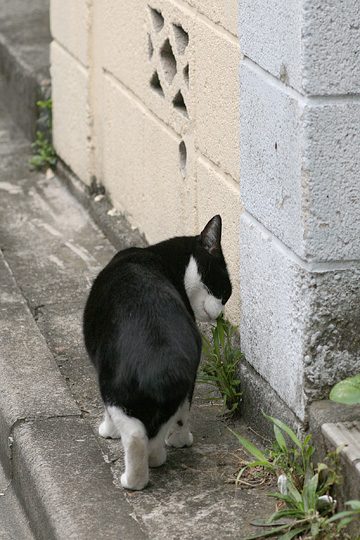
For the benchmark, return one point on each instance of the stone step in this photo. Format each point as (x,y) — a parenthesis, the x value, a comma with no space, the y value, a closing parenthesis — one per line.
(333,426)
(346,435)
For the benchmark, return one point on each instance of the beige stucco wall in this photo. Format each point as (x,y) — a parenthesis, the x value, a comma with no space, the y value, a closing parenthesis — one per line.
(112,123)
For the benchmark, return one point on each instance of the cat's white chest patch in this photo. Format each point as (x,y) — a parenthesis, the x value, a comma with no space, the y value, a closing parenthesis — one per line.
(192,279)
(206,307)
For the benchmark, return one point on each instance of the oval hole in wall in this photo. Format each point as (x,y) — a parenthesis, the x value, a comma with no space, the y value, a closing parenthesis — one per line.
(182,158)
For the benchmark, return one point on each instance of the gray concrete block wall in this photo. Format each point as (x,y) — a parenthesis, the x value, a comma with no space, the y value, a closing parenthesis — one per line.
(300,170)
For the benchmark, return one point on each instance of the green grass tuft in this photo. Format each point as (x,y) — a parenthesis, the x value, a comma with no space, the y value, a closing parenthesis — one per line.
(305,506)
(221,364)
(44,153)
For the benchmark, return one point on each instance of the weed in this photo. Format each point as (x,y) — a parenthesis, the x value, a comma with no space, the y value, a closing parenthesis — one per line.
(44,153)
(347,391)
(221,364)
(305,507)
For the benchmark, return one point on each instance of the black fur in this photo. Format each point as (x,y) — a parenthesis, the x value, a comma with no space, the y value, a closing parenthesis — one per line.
(139,326)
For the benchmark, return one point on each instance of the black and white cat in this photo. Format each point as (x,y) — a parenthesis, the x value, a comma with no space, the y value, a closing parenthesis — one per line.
(141,335)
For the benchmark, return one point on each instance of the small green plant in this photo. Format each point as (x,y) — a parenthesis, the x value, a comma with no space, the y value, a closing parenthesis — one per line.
(220,367)
(305,505)
(44,153)
(347,391)
(292,459)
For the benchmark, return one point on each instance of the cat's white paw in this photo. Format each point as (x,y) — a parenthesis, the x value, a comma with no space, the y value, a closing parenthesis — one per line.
(158,457)
(179,439)
(135,484)
(108,430)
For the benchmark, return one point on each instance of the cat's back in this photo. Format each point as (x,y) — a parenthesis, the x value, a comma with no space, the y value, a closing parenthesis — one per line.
(133,296)
(134,277)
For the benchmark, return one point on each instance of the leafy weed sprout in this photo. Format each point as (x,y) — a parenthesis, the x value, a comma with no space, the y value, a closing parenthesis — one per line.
(306,508)
(44,153)
(221,364)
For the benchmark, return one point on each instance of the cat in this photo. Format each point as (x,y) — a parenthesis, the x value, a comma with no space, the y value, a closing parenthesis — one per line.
(141,335)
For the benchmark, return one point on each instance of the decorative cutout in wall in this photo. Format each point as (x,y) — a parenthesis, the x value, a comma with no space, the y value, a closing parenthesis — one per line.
(186,74)
(167,53)
(156,84)
(181,38)
(179,103)
(168,61)
(150,47)
(157,19)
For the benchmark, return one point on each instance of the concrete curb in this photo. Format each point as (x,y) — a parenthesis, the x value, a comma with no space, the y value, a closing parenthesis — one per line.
(22,90)
(59,464)
(332,426)
(48,450)
(24,60)
(346,435)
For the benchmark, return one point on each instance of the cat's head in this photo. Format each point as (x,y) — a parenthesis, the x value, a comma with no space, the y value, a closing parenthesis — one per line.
(206,279)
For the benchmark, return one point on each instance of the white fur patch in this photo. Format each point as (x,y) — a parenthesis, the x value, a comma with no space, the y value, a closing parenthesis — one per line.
(179,434)
(107,428)
(205,306)
(157,450)
(140,452)
(135,443)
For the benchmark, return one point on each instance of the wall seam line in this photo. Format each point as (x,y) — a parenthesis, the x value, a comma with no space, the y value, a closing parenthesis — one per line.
(229,178)
(310,266)
(83,66)
(313,100)
(197,13)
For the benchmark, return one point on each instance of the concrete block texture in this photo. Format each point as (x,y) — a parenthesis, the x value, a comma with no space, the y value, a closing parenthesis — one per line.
(152,99)
(147,48)
(224,14)
(331,338)
(217,193)
(71,114)
(217,97)
(270,158)
(299,323)
(300,165)
(70,25)
(143,170)
(310,45)
(330,180)
(270,35)
(331,47)
(174,61)
(274,311)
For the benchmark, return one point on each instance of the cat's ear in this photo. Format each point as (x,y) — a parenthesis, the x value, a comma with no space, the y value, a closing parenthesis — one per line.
(211,236)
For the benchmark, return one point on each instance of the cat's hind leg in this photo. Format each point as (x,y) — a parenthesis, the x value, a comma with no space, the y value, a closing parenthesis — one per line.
(135,443)
(157,450)
(179,434)
(107,428)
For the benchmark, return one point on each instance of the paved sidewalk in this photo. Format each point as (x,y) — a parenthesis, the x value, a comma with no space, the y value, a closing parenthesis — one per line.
(66,476)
